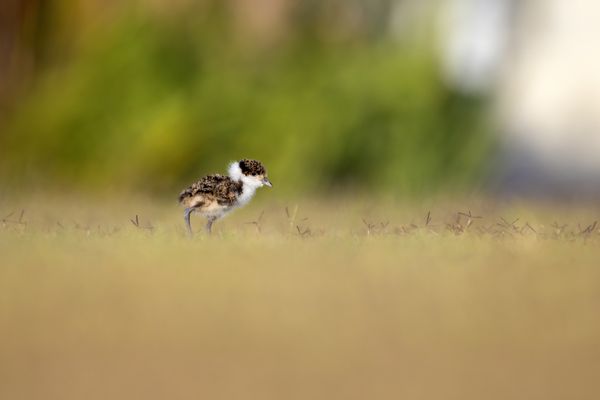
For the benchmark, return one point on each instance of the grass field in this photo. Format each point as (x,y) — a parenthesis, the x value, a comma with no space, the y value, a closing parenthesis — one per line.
(299,301)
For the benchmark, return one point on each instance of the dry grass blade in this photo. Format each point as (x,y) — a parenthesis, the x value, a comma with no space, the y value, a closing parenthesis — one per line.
(303,231)
(469,215)
(368,225)
(20,221)
(589,229)
(258,222)
(291,217)
(559,229)
(136,223)
(529,227)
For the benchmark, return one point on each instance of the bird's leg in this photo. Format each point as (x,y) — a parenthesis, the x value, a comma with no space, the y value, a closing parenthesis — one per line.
(186,217)
(209,224)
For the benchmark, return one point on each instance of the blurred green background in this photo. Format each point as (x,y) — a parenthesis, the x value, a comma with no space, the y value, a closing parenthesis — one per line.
(147,96)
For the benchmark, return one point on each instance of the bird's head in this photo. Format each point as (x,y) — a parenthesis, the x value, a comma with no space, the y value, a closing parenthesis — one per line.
(251,172)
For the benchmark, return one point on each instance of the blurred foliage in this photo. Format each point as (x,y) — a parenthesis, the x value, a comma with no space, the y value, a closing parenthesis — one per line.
(151,103)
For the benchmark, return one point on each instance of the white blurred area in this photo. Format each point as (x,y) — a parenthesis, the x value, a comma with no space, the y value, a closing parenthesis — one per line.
(540,62)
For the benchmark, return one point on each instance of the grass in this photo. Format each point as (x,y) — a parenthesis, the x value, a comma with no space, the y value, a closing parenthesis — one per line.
(362,301)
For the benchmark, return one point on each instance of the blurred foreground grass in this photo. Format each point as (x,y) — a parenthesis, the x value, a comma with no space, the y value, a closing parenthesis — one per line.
(357,301)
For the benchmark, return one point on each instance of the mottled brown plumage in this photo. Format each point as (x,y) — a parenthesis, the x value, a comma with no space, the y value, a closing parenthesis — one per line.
(219,188)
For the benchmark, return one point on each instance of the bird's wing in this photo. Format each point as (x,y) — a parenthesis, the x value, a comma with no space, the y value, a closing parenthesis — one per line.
(221,188)
(227,191)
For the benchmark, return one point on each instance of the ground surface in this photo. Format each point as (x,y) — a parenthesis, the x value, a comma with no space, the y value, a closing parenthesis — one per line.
(316,302)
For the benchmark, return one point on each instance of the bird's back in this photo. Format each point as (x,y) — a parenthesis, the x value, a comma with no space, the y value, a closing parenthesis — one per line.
(212,188)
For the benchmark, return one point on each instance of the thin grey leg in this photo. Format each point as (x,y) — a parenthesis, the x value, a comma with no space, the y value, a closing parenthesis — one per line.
(186,217)
(209,225)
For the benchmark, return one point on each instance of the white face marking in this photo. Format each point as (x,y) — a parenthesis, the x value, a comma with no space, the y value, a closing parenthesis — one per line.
(251,183)
(235,172)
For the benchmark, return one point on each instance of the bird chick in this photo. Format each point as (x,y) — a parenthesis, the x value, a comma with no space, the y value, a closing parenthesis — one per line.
(214,196)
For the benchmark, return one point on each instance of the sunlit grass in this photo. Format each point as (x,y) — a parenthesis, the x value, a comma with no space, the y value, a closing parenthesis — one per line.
(358,301)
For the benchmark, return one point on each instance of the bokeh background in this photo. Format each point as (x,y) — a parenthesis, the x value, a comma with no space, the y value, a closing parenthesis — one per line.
(395,97)
(363,277)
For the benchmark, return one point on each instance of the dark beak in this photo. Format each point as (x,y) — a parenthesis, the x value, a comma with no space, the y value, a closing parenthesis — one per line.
(267,182)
